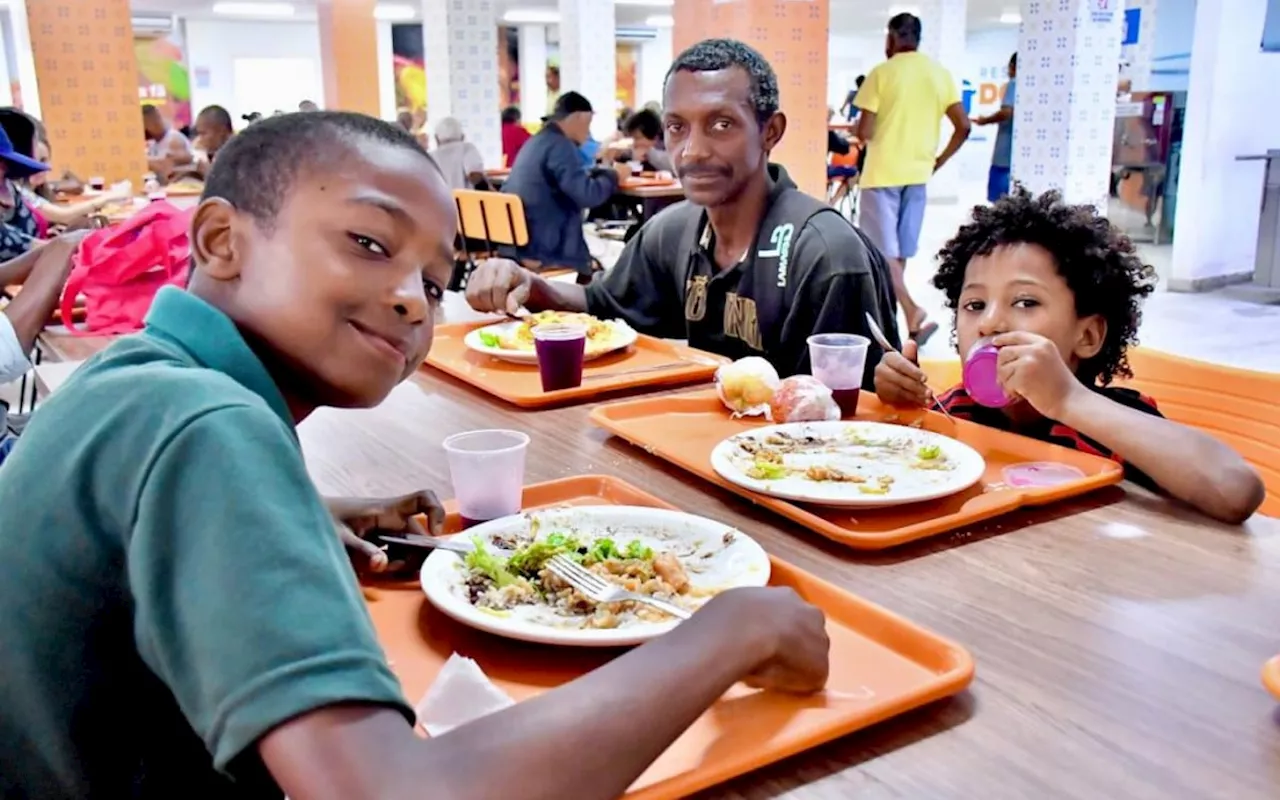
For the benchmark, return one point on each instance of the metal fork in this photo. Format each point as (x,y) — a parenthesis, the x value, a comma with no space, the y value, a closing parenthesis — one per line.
(600,590)
(883,341)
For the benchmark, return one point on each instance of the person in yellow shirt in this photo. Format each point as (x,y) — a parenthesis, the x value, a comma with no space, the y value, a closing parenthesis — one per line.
(903,101)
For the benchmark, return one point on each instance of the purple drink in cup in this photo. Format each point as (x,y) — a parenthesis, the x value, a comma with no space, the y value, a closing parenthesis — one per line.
(839,361)
(981,375)
(561,350)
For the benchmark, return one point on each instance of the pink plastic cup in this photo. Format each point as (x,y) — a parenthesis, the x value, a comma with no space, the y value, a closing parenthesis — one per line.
(981,378)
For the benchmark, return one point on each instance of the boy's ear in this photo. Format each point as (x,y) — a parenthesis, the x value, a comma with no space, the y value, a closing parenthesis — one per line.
(213,245)
(1091,333)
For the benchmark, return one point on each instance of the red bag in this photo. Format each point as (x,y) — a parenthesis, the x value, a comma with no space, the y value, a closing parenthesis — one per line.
(120,269)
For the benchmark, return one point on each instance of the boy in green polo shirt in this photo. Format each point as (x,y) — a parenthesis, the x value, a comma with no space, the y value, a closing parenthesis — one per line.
(178,616)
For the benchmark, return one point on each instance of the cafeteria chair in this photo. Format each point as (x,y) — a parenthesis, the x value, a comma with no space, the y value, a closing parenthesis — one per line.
(488,221)
(842,190)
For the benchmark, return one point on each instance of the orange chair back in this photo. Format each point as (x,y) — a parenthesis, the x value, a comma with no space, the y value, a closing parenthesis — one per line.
(1237,406)
(849,159)
(491,216)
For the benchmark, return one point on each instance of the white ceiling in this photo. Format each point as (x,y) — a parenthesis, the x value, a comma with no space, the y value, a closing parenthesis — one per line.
(848,17)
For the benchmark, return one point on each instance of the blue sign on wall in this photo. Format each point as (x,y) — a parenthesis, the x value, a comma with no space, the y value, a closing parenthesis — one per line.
(1132,21)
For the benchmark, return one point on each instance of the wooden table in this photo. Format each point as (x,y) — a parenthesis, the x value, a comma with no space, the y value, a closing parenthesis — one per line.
(668,190)
(1118,639)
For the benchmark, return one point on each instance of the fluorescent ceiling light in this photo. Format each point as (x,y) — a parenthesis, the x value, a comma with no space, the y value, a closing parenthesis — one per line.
(663,3)
(660,21)
(392,13)
(896,10)
(1011,18)
(253,9)
(533,16)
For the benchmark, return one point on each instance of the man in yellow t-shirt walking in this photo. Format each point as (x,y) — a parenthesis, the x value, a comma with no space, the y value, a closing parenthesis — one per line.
(903,101)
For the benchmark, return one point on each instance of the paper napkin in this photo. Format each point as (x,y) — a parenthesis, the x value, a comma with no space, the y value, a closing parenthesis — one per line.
(460,693)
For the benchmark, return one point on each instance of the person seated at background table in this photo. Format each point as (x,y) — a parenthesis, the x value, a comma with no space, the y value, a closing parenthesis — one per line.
(55,217)
(213,131)
(167,148)
(30,137)
(307,105)
(1059,290)
(750,265)
(187,624)
(514,134)
(550,180)
(458,159)
(20,228)
(41,273)
(644,128)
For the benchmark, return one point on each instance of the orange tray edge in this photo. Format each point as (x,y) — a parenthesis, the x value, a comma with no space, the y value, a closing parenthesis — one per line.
(1271,676)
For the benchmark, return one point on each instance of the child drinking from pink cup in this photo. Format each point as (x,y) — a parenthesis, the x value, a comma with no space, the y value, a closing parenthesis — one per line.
(1056,292)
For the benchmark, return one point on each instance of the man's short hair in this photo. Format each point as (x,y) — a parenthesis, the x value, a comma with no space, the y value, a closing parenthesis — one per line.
(644,122)
(571,103)
(151,111)
(217,115)
(449,129)
(905,28)
(510,115)
(710,55)
(256,168)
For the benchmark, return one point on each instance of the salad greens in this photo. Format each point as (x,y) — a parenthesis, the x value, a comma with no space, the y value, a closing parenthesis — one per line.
(767,471)
(529,560)
(929,452)
(492,566)
(490,339)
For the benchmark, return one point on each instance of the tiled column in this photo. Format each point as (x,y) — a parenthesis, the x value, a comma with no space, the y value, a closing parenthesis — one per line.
(88,78)
(1137,55)
(942,38)
(533,72)
(793,36)
(1065,114)
(26,94)
(588,58)
(461,44)
(349,55)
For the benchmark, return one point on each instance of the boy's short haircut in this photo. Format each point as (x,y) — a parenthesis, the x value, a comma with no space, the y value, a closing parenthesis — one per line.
(1098,262)
(256,169)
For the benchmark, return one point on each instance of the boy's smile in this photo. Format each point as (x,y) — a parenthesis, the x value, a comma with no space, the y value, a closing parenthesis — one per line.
(338,292)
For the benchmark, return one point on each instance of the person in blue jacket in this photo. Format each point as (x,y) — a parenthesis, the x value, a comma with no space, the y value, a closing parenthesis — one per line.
(550,179)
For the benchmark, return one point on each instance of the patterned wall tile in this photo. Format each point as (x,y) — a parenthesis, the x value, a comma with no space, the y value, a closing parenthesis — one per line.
(588,64)
(88,78)
(460,38)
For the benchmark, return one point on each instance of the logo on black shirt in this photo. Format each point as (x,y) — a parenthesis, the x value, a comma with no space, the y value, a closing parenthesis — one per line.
(781,239)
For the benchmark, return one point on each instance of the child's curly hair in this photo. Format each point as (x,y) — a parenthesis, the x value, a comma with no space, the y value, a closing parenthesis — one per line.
(1097,260)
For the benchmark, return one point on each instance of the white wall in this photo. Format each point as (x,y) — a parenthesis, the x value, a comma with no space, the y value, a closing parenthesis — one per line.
(848,57)
(1233,109)
(386,74)
(1171,57)
(213,46)
(655,59)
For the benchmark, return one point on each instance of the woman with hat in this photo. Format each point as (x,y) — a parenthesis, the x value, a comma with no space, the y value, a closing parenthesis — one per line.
(20,228)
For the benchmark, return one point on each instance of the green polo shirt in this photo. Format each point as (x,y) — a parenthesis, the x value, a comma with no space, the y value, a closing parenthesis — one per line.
(172,586)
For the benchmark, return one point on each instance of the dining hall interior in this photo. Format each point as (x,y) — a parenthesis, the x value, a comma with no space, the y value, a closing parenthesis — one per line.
(653,399)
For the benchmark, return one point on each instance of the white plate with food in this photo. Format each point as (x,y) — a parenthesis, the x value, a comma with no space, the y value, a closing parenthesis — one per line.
(513,340)
(506,590)
(848,464)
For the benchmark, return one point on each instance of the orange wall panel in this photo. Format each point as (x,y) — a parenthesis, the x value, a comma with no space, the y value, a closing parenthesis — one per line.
(349,55)
(793,36)
(87,73)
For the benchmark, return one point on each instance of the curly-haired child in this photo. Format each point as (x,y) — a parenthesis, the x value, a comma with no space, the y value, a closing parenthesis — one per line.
(1060,291)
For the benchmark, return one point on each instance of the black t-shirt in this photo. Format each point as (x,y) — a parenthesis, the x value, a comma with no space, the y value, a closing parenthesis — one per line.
(809,271)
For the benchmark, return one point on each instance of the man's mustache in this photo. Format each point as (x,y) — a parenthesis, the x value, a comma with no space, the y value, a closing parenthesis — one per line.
(703,170)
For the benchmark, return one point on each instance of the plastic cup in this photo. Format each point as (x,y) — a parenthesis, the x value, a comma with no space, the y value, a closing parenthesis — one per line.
(839,360)
(981,375)
(98,183)
(487,470)
(561,350)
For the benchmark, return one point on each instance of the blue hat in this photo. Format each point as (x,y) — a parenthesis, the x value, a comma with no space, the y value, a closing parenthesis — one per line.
(16,165)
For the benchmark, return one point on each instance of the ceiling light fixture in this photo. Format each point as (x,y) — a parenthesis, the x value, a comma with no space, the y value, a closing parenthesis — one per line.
(1011,18)
(277,10)
(660,21)
(532,16)
(392,13)
(662,3)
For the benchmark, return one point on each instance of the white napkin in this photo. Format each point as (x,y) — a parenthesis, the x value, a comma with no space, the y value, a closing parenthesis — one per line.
(461,693)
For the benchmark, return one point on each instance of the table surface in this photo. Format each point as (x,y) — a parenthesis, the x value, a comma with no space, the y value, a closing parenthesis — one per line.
(1119,638)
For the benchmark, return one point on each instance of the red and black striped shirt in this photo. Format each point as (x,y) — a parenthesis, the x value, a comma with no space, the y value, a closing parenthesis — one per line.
(960,405)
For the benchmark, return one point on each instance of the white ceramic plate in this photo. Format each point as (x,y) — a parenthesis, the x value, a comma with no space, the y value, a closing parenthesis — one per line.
(624,337)
(871,450)
(712,563)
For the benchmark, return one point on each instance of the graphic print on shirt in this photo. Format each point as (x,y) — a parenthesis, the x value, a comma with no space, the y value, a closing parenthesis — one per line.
(781,240)
(741,321)
(695,304)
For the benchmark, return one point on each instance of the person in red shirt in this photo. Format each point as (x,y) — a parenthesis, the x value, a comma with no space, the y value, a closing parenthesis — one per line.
(514,135)
(1059,290)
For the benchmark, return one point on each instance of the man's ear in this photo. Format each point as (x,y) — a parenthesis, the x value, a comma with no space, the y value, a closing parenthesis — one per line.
(213,240)
(1091,333)
(774,128)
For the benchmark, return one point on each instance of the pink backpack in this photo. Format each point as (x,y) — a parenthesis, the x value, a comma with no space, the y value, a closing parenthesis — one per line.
(120,269)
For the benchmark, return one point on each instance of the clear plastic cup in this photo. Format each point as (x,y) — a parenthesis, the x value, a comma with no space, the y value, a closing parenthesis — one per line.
(561,350)
(487,470)
(839,360)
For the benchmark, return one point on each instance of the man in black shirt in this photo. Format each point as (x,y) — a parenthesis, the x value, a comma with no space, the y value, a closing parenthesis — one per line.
(749,265)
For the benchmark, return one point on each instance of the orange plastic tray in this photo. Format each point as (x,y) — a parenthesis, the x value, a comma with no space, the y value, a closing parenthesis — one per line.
(519,383)
(881,666)
(647,183)
(685,429)
(1271,676)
